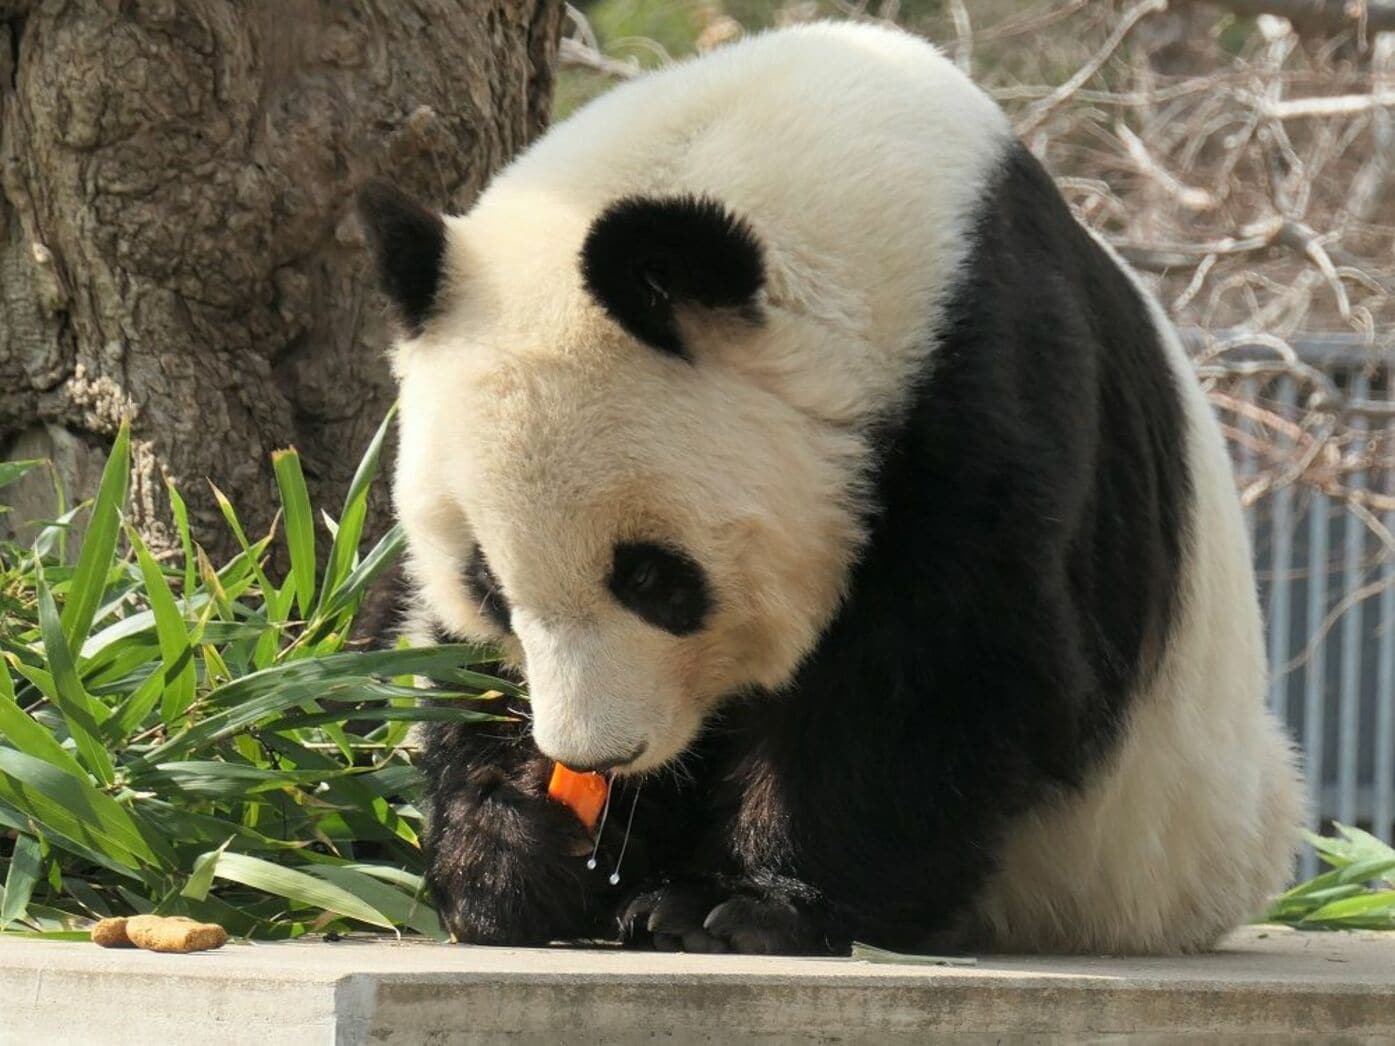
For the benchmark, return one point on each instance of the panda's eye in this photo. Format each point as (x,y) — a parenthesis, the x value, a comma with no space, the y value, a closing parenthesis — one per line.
(644,576)
(662,586)
(485,591)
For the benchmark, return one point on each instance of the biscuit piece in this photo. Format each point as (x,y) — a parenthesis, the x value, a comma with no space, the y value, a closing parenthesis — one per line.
(111,933)
(174,933)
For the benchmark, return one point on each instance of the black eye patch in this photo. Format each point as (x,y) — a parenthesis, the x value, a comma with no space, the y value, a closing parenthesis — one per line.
(663,587)
(484,589)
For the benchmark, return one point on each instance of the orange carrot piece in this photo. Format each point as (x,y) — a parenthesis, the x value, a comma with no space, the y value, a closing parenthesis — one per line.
(584,793)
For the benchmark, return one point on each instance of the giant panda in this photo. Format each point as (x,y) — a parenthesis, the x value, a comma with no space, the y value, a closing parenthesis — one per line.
(850,506)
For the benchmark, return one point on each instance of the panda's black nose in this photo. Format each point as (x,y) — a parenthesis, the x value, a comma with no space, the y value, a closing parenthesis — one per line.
(604,765)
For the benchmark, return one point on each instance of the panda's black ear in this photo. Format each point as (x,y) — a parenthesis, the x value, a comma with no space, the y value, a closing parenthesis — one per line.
(645,258)
(409,246)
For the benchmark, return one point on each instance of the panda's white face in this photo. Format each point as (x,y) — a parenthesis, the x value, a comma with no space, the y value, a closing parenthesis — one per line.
(642,373)
(647,535)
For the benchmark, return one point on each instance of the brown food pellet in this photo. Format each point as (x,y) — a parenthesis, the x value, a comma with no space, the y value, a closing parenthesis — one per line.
(174,933)
(111,933)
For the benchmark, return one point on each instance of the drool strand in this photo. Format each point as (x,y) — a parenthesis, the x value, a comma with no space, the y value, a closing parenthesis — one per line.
(600,826)
(624,843)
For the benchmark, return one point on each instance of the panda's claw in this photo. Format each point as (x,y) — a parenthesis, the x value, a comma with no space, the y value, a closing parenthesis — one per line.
(679,911)
(634,918)
(701,942)
(668,917)
(701,918)
(762,926)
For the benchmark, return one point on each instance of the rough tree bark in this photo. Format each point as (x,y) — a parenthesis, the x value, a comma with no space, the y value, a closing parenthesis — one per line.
(176,231)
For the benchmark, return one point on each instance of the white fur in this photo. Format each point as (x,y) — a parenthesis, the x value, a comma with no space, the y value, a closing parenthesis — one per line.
(533,424)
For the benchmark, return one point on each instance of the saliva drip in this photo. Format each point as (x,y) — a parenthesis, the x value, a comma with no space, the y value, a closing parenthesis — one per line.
(592,861)
(625,842)
(605,810)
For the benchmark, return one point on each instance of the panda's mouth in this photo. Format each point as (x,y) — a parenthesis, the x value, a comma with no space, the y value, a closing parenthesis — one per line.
(607,765)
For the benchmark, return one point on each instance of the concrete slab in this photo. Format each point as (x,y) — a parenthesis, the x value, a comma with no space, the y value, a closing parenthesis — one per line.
(1267,983)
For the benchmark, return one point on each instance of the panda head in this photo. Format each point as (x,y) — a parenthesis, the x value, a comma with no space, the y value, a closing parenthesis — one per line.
(593,475)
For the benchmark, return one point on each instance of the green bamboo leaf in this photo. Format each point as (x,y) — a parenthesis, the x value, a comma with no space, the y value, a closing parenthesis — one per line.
(81,890)
(409,910)
(52,935)
(871,953)
(411,882)
(175,652)
(233,780)
(382,556)
(99,543)
(300,526)
(251,554)
(1363,843)
(351,519)
(73,808)
(418,714)
(297,886)
(214,585)
(263,693)
(10,471)
(392,779)
(230,516)
(261,762)
(442,661)
(128,627)
(201,878)
(82,715)
(1368,869)
(180,512)
(223,724)
(132,712)
(195,829)
(53,536)
(1367,904)
(1314,885)
(20,730)
(26,868)
(12,818)
(364,813)
(277,607)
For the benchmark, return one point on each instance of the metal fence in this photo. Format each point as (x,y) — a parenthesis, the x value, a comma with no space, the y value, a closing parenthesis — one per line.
(1327,583)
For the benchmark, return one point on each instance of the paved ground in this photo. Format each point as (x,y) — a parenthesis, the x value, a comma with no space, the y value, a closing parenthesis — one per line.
(1276,985)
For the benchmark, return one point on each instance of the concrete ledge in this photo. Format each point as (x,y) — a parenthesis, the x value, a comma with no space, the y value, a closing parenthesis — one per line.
(1271,984)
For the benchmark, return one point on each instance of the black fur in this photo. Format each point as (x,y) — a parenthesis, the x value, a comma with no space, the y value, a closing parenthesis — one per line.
(409,248)
(665,587)
(1018,585)
(484,589)
(645,257)
(506,864)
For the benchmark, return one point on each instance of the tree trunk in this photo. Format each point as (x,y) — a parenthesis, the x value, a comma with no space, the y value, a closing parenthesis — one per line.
(176,233)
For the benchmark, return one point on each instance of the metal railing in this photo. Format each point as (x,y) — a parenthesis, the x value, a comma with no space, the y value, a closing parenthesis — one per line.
(1327,585)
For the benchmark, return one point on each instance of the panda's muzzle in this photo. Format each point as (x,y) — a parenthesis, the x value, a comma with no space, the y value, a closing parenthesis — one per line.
(602,766)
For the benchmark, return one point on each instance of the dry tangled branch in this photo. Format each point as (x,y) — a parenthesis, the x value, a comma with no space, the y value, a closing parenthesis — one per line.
(1241,153)
(1255,181)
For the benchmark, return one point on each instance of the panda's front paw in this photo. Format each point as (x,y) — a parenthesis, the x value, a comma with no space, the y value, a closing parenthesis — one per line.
(508,867)
(702,917)
(765,926)
(670,918)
